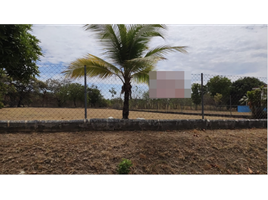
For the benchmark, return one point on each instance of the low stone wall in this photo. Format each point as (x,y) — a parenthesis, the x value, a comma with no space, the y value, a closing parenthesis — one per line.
(126,125)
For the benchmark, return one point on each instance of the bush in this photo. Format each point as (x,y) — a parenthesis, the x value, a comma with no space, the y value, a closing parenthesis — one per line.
(124,166)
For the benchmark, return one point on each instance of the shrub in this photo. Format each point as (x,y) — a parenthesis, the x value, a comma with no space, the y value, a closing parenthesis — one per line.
(124,166)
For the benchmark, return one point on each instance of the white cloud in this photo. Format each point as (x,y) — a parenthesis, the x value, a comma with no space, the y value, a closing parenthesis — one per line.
(213,49)
(64,43)
(229,47)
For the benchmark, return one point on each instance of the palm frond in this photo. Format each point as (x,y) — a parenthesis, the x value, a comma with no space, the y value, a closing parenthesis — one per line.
(100,29)
(148,31)
(162,50)
(142,76)
(138,64)
(110,36)
(95,67)
(141,35)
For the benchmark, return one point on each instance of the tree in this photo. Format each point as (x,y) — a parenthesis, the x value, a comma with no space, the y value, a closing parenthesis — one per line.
(1,103)
(196,94)
(22,92)
(94,96)
(59,88)
(6,87)
(240,87)
(19,51)
(75,91)
(218,99)
(128,51)
(4,80)
(113,92)
(220,85)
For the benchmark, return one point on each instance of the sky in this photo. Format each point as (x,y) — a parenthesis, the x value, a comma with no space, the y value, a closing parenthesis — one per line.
(228,50)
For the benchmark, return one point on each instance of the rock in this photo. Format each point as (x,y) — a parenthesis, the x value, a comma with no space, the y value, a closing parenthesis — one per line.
(110,118)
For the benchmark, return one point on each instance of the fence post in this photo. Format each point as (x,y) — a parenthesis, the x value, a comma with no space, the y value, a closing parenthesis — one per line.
(231,105)
(202,96)
(85,78)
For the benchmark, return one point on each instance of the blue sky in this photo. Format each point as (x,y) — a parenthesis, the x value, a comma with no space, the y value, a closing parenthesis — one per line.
(228,50)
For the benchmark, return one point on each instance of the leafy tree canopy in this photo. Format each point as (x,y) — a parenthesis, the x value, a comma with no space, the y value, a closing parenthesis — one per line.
(221,85)
(19,51)
(241,86)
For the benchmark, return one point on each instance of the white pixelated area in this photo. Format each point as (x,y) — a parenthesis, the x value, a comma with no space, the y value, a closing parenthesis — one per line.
(170,84)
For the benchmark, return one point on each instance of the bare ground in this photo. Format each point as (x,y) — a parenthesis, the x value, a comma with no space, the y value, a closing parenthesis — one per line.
(170,152)
(78,113)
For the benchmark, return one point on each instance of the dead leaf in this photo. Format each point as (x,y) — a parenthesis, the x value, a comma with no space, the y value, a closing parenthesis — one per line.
(142,156)
(250,171)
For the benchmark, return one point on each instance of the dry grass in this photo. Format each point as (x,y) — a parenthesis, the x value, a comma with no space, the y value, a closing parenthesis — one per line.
(219,112)
(78,113)
(178,152)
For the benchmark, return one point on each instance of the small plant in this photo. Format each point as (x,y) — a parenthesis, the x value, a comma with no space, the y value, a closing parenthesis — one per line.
(124,166)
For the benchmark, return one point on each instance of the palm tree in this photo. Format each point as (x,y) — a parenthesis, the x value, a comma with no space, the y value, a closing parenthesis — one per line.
(127,48)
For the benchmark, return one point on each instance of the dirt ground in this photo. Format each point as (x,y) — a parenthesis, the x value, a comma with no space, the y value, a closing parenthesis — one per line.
(78,113)
(164,152)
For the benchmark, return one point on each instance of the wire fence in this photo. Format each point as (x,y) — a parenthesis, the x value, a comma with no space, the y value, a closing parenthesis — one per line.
(51,96)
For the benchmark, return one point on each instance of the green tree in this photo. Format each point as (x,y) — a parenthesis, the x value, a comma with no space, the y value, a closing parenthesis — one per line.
(196,94)
(75,91)
(129,55)
(19,51)
(221,85)
(218,99)
(95,97)
(4,80)
(23,93)
(59,89)
(113,92)
(240,87)
(6,87)
(1,101)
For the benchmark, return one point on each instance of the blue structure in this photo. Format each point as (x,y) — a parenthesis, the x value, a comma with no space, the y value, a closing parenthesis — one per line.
(245,109)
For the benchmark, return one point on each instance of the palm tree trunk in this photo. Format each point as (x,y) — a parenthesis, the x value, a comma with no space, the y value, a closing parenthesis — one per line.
(126,88)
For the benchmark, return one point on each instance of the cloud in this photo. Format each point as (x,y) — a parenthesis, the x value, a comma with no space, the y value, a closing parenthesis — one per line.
(65,43)
(229,47)
(213,49)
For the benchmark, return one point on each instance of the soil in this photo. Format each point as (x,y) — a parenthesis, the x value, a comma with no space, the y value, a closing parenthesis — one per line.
(165,152)
(78,113)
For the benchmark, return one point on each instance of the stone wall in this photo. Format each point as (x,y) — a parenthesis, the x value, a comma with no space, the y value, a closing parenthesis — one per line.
(125,125)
